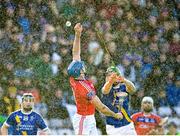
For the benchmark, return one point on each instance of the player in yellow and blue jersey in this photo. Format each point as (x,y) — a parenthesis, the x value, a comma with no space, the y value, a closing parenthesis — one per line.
(25,121)
(116,93)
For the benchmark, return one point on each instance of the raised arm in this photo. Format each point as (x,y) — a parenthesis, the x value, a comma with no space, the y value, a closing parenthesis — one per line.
(115,78)
(76,52)
(109,82)
(130,86)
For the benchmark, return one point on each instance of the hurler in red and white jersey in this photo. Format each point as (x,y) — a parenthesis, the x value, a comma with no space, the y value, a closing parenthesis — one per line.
(146,122)
(84,93)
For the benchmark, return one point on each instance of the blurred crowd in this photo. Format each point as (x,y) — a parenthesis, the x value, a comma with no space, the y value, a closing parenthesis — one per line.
(142,36)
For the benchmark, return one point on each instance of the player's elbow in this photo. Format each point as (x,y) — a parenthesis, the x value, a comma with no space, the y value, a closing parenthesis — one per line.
(133,89)
(100,108)
(104,91)
(97,103)
(44,132)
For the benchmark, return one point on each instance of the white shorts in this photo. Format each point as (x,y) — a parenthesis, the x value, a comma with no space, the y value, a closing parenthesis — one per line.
(84,125)
(125,130)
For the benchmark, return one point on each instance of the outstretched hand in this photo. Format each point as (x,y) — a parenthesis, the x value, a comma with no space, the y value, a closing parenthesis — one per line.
(163,121)
(78,28)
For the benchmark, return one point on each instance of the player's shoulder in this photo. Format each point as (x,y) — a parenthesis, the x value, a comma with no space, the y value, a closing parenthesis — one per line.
(137,114)
(16,112)
(34,113)
(155,115)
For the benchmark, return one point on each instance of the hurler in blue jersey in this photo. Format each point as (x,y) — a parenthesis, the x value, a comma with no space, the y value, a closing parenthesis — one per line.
(25,121)
(116,93)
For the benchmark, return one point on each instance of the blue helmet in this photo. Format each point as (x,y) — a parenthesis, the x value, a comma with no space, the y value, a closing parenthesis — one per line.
(74,68)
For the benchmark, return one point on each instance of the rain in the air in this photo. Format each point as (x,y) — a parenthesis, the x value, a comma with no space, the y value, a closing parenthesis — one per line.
(90,67)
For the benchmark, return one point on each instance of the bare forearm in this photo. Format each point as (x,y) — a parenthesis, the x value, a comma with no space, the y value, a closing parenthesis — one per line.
(102,108)
(106,111)
(130,86)
(76,47)
(107,87)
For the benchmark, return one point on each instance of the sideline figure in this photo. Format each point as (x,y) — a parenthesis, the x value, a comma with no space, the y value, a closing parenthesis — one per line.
(147,123)
(25,121)
(84,92)
(116,93)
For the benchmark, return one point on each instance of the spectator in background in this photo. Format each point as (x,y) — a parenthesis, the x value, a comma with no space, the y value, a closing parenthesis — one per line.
(154,51)
(25,26)
(39,106)
(174,48)
(176,68)
(173,94)
(57,112)
(162,99)
(163,63)
(12,103)
(153,83)
(41,69)
(137,62)
(96,53)
(23,21)
(25,121)
(146,66)
(56,62)
(147,123)
(3,112)
(126,68)
(6,43)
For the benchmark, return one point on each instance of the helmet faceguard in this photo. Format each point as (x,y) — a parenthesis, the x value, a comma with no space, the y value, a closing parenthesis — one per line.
(113,69)
(27,96)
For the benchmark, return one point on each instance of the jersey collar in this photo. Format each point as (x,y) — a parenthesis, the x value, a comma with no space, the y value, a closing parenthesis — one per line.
(117,86)
(147,115)
(26,113)
(81,79)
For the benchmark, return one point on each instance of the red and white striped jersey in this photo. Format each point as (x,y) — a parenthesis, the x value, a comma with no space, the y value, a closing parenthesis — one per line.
(84,91)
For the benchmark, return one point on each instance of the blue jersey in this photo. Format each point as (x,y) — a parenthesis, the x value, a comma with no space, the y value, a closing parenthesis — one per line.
(118,101)
(25,124)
